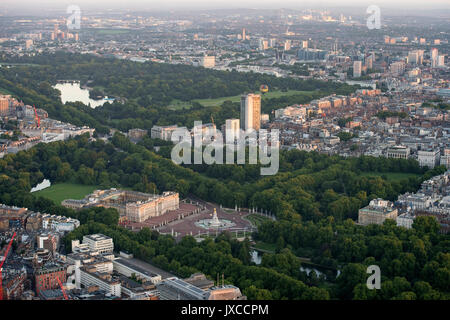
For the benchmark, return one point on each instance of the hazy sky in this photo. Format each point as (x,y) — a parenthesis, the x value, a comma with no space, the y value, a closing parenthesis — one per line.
(36,5)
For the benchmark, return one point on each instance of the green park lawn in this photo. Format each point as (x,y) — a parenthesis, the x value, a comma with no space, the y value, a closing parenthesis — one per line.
(228,210)
(61,191)
(268,95)
(178,104)
(268,247)
(4,91)
(256,219)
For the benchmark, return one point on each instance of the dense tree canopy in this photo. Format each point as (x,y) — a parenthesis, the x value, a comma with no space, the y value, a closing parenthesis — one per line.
(313,197)
(146,90)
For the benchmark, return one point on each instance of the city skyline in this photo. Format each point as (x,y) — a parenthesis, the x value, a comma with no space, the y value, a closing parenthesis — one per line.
(246,151)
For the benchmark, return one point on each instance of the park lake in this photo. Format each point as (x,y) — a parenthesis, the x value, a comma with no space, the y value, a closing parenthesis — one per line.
(40,186)
(72,91)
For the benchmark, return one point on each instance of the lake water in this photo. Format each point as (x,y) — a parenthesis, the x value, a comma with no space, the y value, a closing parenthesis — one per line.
(308,270)
(44,184)
(72,92)
(256,257)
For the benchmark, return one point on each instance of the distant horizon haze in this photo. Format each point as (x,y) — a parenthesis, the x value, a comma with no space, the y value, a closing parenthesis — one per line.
(19,7)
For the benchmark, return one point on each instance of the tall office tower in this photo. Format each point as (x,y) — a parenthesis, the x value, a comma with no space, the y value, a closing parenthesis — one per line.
(335,46)
(4,106)
(287,45)
(277,55)
(420,52)
(441,61)
(434,57)
(263,44)
(305,44)
(397,68)
(357,66)
(243,34)
(368,61)
(232,127)
(413,57)
(251,112)
(208,61)
(272,42)
(55,30)
(28,43)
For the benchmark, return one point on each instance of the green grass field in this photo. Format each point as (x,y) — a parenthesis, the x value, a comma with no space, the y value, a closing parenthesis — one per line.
(217,101)
(178,104)
(393,176)
(256,219)
(227,210)
(268,95)
(269,247)
(61,191)
(4,91)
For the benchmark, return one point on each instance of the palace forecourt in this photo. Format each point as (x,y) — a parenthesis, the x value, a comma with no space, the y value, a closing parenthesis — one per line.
(164,213)
(132,206)
(136,209)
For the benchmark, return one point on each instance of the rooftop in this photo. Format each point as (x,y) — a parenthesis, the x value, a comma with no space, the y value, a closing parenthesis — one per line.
(126,263)
(97,237)
(51,294)
(183,289)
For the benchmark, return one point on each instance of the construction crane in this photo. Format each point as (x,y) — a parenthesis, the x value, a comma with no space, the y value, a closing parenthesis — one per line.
(2,262)
(62,288)
(36,117)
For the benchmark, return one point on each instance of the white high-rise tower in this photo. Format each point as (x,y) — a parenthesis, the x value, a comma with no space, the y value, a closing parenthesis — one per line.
(251,112)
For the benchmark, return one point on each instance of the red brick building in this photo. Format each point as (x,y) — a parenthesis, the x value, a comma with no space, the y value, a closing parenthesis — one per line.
(13,286)
(46,278)
(4,106)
